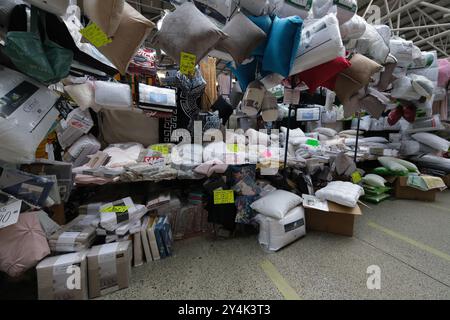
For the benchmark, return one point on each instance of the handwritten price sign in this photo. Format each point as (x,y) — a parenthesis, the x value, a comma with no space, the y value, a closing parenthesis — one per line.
(187,63)
(9,214)
(95,35)
(223,196)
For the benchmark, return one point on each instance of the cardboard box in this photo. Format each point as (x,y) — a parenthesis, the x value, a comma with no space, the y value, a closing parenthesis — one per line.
(338,220)
(57,277)
(109,268)
(403,191)
(446,180)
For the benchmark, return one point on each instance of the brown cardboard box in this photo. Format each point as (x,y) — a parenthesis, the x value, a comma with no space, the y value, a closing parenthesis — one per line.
(55,278)
(402,191)
(339,220)
(109,268)
(446,180)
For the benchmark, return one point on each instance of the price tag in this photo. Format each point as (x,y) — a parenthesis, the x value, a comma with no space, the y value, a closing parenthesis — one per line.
(233,147)
(118,209)
(291,96)
(95,35)
(9,214)
(223,196)
(187,63)
(356,177)
(164,150)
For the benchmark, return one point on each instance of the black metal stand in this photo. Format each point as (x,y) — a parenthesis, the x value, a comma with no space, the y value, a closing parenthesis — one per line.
(357,137)
(286,145)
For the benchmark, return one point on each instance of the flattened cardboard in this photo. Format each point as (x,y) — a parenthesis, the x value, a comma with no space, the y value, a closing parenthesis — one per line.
(339,220)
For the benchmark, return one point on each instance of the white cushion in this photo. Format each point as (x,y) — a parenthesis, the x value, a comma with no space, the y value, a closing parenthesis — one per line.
(432,141)
(343,193)
(277,204)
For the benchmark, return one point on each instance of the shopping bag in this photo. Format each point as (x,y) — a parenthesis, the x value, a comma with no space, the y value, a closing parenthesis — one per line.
(43,60)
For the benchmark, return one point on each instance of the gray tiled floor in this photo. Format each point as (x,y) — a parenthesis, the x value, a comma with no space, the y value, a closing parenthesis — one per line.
(319,266)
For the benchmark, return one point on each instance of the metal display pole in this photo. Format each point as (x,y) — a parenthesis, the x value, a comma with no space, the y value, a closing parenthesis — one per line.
(357,137)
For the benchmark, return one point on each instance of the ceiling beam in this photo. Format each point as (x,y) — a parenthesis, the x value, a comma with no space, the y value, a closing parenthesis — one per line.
(435,7)
(400,10)
(436,36)
(423,27)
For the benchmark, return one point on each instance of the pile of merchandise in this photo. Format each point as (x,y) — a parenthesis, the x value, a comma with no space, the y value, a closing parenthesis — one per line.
(119,136)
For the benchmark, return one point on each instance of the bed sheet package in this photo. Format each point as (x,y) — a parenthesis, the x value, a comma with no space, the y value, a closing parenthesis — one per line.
(54,274)
(171,209)
(191,220)
(118,213)
(320,43)
(109,268)
(78,153)
(27,113)
(275,234)
(76,236)
(78,123)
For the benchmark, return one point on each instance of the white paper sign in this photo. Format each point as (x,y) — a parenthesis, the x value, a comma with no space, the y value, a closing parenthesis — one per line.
(314,203)
(9,214)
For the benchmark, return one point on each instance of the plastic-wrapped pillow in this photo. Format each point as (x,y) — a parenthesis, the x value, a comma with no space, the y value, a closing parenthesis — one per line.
(83,95)
(277,204)
(393,166)
(283,43)
(343,193)
(410,148)
(187,30)
(255,7)
(244,36)
(265,24)
(105,13)
(403,89)
(293,132)
(275,234)
(432,140)
(422,86)
(253,98)
(344,9)
(408,165)
(320,42)
(402,50)
(78,153)
(354,28)
(386,76)
(374,180)
(373,45)
(112,94)
(288,8)
(327,132)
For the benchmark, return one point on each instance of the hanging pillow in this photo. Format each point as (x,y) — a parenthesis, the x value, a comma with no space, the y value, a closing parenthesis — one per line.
(432,141)
(255,7)
(133,30)
(320,43)
(354,28)
(244,36)
(187,30)
(105,13)
(283,43)
(265,24)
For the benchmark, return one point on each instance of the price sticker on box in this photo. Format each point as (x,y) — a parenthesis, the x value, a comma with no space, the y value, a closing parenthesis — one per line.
(223,196)
(95,35)
(187,63)
(164,150)
(356,177)
(9,214)
(117,209)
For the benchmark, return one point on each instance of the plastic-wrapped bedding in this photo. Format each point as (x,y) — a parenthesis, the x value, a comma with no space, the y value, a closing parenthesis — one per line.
(402,50)
(433,162)
(110,220)
(187,154)
(287,8)
(343,193)
(275,234)
(374,180)
(392,165)
(354,28)
(432,140)
(344,9)
(372,44)
(403,89)
(321,42)
(78,153)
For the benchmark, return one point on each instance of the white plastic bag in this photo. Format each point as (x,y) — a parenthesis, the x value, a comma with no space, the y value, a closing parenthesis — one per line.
(374,180)
(402,50)
(354,28)
(432,140)
(112,94)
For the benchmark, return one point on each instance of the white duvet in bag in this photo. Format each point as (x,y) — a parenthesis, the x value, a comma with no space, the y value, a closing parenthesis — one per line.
(343,193)
(344,9)
(402,50)
(112,94)
(354,28)
(276,234)
(320,43)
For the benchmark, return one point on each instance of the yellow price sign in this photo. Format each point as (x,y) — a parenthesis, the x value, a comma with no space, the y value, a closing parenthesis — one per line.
(164,150)
(234,148)
(223,196)
(95,35)
(118,209)
(187,63)
(356,177)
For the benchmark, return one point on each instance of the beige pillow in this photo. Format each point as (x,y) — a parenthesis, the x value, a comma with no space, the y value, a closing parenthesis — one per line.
(346,87)
(133,30)
(362,69)
(122,126)
(105,13)
(244,36)
(187,30)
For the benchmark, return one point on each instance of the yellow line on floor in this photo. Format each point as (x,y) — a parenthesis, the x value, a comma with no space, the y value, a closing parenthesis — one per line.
(410,241)
(438,207)
(286,290)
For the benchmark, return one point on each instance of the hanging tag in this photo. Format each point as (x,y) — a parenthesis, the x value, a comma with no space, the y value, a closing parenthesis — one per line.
(95,35)
(9,214)
(187,64)
(356,177)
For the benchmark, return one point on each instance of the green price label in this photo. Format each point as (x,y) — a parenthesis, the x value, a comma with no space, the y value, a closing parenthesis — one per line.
(223,196)
(95,35)
(187,63)
(312,143)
